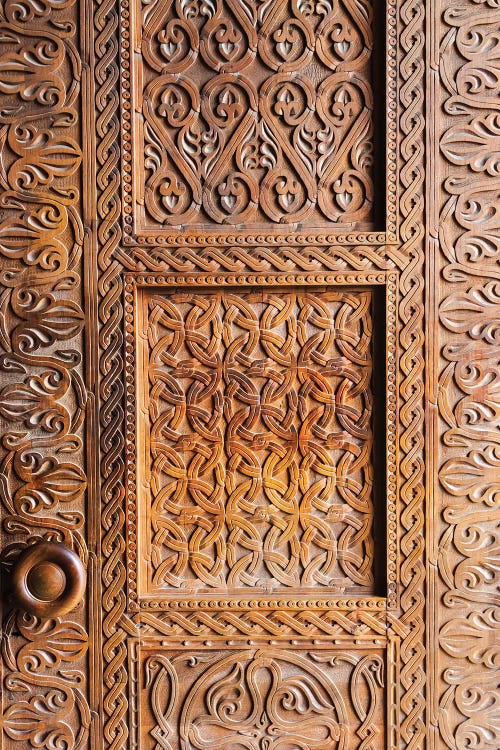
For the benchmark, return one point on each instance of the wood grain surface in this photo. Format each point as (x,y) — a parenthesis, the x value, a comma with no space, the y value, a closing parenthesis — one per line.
(249,374)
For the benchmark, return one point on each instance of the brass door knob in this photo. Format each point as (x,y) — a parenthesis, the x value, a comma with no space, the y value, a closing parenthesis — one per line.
(48,579)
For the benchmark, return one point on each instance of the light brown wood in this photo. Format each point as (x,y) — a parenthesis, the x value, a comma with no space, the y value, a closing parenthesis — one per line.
(249,374)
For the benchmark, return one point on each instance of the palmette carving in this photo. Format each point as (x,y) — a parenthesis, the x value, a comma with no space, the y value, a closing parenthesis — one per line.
(51,710)
(257,112)
(260,440)
(42,395)
(469,459)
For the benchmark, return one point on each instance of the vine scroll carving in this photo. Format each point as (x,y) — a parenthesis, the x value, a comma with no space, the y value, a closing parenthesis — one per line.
(254,112)
(249,373)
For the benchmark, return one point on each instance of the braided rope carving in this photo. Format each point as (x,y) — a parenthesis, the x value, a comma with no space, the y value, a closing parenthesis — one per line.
(111,385)
(412,366)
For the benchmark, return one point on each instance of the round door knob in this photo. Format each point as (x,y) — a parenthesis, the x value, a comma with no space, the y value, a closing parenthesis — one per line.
(48,579)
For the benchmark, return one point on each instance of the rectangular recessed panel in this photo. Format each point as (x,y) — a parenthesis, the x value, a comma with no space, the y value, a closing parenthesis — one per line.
(267,698)
(253,113)
(256,450)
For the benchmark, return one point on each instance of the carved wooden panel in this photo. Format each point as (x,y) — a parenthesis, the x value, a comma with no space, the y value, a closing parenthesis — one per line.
(250,439)
(258,450)
(260,698)
(466,467)
(229,163)
(47,693)
(253,112)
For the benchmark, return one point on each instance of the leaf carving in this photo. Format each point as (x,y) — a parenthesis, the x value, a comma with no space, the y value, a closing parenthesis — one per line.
(46,320)
(30,70)
(35,402)
(476,145)
(45,157)
(40,722)
(476,638)
(47,484)
(51,643)
(476,312)
(477,476)
(34,237)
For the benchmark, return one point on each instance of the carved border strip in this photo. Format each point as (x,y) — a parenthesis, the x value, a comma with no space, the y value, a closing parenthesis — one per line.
(337,624)
(407,50)
(132,284)
(128,44)
(114,712)
(262,259)
(465,464)
(46,690)
(410,697)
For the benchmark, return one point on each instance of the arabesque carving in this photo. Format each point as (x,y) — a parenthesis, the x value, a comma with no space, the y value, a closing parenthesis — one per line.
(467,466)
(43,397)
(263,698)
(254,113)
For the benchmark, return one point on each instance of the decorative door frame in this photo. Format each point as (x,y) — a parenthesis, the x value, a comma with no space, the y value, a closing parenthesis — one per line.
(68,285)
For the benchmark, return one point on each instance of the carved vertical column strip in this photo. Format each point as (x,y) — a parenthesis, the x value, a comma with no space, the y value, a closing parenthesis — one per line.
(91,362)
(411,493)
(468,379)
(111,375)
(432,366)
(43,398)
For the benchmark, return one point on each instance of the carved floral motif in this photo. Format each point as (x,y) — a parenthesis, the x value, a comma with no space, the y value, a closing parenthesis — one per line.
(256,112)
(469,383)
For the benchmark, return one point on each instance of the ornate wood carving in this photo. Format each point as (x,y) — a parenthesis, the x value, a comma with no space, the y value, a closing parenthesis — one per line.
(43,398)
(466,467)
(250,115)
(261,698)
(253,112)
(273,363)
(232,153)
(259,445)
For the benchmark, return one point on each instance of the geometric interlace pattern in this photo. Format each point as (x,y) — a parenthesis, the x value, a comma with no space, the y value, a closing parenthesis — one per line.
(260,440)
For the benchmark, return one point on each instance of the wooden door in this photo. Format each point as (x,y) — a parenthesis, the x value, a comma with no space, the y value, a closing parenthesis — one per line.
(249,362)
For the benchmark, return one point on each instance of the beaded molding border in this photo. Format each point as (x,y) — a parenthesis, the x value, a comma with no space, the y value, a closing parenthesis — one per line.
(134,284)
(130,39)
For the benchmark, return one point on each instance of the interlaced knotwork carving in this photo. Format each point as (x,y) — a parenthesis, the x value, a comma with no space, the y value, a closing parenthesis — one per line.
(411,460)
(255,112)
(112,491)
(260,439)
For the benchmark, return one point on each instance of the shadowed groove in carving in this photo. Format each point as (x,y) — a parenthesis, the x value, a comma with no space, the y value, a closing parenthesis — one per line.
(260,439)
(254,113)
